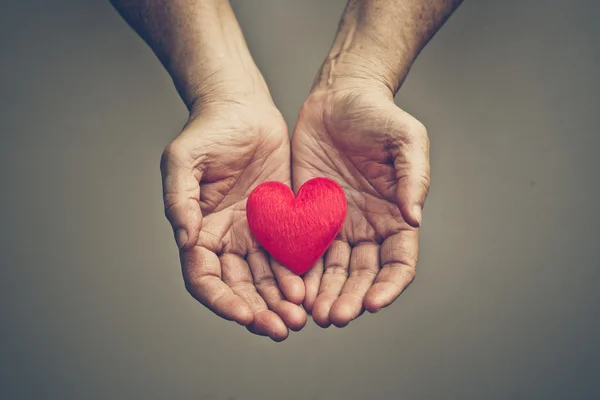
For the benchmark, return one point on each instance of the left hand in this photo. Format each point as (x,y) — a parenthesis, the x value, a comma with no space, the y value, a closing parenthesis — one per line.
(379,154)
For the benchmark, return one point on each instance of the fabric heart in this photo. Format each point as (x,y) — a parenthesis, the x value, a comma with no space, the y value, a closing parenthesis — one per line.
(296,231)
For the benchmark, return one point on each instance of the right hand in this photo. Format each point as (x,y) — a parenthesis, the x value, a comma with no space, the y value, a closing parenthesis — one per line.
(208,171)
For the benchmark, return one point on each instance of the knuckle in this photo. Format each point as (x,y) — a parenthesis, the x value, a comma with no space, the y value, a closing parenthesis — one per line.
(409,259)
(425,181)
(405,272)
(414,132)
(171,201)
(264,282)
(365,272)
(411,274)
(174,151)
(336,270)
(195,281)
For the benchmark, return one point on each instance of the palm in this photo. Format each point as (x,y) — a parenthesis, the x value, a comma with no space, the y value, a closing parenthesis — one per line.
(348,140)
(226,269)
(367,177)
(243,162)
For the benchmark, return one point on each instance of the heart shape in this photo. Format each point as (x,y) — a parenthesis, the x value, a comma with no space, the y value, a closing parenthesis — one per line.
(296,231)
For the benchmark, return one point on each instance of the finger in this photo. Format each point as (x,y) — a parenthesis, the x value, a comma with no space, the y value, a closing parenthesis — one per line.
(237,275)
(292,315)
(291,285)
(181,194)
(399,255)
(411,163)
(364,266)
(202,276)
(312,281)
(335,273)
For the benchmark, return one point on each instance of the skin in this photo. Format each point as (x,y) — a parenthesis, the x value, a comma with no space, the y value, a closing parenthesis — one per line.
(208,173)
(379,155)
(235,139)
(349,129)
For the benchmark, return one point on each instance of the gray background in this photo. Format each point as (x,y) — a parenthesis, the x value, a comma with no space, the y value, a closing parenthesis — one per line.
(505,305)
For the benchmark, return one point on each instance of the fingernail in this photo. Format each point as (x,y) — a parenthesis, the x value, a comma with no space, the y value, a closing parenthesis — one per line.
(181,237)
(418,214)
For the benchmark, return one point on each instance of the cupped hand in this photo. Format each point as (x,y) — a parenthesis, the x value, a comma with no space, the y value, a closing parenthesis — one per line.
(379,154)
(208,171)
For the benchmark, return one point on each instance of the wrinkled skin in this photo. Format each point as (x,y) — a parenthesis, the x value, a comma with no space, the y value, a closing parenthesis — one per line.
(208,171)
(379,154)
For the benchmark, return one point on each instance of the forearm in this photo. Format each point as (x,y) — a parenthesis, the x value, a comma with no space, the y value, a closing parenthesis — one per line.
(200,44)
(378,40)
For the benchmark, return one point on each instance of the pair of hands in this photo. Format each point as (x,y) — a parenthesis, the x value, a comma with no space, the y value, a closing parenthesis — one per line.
(351,133)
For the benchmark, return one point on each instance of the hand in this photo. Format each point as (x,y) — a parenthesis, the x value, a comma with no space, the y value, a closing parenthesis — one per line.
(379,154)
(208,171)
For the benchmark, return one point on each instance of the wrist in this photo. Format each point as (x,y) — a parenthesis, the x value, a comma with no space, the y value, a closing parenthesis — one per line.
(226,85)
(222,99)
(346,70)
(212,61)
(371,47)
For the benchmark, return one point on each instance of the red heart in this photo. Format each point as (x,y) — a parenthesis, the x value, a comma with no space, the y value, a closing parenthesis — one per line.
(296,230)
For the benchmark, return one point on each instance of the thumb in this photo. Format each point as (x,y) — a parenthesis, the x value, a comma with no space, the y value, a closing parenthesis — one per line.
(411,163)
(181,195)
